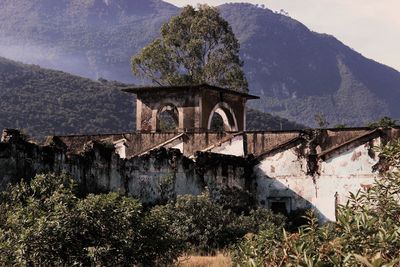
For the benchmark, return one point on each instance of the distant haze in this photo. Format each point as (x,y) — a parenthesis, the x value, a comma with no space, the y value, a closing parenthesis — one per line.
(296,72)
(372,27)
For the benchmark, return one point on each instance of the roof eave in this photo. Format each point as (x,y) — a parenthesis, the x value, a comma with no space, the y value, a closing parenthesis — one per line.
(137,90)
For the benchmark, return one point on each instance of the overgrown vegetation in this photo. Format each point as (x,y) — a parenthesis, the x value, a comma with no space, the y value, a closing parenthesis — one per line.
(384,122)
(205,226)
(45,223)
(367,232)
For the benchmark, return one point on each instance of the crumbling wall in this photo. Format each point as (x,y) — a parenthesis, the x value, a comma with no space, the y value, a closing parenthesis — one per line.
(259,142)
(136,143)
(284,175)
(154,177)
(339,136)
(301,169)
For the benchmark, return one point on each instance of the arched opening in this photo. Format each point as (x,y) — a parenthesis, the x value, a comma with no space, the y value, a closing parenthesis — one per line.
(222,118)
(167,118)
(217,123)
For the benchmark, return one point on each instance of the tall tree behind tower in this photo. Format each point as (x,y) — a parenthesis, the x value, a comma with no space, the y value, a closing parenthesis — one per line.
(197,46)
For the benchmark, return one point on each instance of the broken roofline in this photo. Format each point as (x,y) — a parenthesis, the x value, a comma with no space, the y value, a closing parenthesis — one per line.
(136,90)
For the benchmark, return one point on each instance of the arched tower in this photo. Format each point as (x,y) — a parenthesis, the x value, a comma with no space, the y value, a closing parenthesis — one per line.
(191,108)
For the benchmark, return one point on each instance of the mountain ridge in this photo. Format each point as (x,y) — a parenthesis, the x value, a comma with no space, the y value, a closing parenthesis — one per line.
(49,102)
(297,72)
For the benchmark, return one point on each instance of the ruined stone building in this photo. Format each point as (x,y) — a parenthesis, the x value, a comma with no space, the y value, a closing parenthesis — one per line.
(281,170)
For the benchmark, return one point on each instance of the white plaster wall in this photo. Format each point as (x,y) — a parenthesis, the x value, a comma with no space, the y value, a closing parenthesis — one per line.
(351,162)
(232,147)
(345,171)
(179,146)
(120,148)
(285,175)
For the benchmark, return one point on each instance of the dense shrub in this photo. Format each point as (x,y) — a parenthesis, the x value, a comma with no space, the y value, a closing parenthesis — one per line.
(367,232)
(196,220)
(44,223)
(256,221)
(206,226)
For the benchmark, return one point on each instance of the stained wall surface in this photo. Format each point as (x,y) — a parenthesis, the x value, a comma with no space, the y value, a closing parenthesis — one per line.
(315,168)
(284,177)
(154,177)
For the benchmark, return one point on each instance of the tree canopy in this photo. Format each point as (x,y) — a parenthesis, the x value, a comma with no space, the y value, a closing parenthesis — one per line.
(46,223)
(366,233)
(384,122)
(197,46)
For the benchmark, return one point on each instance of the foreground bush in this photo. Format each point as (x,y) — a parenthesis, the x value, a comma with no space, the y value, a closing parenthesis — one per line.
(367,232)
(44,223)
(206,226)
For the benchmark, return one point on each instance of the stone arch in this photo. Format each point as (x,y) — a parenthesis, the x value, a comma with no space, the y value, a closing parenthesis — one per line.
(172,111)
(227,115)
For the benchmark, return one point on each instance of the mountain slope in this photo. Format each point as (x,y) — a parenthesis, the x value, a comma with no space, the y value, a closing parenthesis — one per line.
(46,102)
(91,38)
(298,73)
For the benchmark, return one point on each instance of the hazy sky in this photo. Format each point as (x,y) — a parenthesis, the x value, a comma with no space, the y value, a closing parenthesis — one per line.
(371,27)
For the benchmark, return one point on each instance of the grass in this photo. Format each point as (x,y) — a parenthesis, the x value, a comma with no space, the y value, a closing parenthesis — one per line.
(219,260)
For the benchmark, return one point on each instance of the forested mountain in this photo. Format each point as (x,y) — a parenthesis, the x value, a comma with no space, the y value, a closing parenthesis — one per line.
(300,73)
(297,72)
(47,102)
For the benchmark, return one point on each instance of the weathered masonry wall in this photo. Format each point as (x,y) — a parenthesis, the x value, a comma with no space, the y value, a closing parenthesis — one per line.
(286,171)
(148,105)
(153,177)
(284,177)
(135,143)
(210,99)
(138,143)
(314,168)
(191,107)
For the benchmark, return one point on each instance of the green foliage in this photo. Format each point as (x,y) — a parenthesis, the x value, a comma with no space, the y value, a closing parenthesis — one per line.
(297,69)
(257,220)
(367,232)
(195,47)
(167,187)
(384,122)
(44,223)
(206,226)
(47,102)
(196,220)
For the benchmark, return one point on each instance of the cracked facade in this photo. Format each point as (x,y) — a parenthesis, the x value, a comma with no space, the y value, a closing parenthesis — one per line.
(282,170)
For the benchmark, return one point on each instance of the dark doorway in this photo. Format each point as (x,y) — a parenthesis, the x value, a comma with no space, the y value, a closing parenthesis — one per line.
(279,207)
